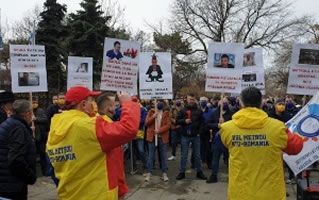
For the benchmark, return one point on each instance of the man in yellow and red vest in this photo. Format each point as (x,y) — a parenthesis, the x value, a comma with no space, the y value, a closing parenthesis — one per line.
(256,143)
(84,150)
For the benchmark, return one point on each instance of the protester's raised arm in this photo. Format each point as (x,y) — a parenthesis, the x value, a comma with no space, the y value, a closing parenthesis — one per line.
(111,135)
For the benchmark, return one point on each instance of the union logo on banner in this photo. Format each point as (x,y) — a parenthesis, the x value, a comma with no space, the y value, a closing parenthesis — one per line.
(306,125)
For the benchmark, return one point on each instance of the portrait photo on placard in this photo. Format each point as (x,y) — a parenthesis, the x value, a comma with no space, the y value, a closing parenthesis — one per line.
(28,79)
(249,59)
(82,68)
(309,57)
(224,60)
(249,77)
(154,72)
(121,50)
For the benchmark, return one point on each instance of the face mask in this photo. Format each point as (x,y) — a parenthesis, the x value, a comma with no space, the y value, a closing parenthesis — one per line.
(265,107)
(225,107)
(289,106)
(35,105)
(61,101)
(160,106)
(93,110)
(178,103)
(203,104)
(280,108)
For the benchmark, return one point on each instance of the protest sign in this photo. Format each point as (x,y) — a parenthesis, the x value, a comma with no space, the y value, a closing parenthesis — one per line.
(28,68)
(155,76)
(224,67)
(305,124)
(304,70)
(303,80)
(253,69)
(80,72)
(120,65)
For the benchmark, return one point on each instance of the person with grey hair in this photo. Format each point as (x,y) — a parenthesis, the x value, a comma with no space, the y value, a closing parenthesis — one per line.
(17,152)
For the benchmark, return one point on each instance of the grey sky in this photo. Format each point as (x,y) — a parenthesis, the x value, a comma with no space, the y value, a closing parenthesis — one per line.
(137,11)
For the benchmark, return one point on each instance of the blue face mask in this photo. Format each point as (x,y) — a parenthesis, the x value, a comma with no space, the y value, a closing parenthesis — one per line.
(265,107)
(289,106)
(178,103)
(203,104)
(160,106)
(225,107)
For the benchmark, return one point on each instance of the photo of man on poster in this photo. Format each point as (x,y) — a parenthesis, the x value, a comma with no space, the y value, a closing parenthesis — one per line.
(115,52)
(225,62)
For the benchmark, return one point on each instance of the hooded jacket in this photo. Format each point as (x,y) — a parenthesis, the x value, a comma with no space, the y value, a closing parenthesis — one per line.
(256,142)
(85,153)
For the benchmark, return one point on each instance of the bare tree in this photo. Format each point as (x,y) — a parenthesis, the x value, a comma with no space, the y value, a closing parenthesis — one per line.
(21,29)
(114,9)
(263,23)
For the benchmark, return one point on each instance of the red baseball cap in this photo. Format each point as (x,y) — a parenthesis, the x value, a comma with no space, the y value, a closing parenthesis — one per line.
(79,93)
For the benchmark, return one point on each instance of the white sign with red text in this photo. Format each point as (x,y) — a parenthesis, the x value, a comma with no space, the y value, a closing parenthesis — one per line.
(303,80)
(28,68)
(120,65)
(224,67)
(304,70)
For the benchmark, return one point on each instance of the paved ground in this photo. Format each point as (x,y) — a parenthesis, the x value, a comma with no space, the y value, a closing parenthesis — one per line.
(187,189)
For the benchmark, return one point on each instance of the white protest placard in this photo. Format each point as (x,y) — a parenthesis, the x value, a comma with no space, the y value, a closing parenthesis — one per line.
(304,70)
(253,69)
(224,67)
(155,76)
(80,72)
(28,68)
(303,80)
(120,65)
(305,124)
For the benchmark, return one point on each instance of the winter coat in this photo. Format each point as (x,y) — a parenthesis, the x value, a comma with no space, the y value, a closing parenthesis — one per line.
(17,155)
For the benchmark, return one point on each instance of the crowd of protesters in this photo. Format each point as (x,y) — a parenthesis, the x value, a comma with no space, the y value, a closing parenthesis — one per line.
(79,140)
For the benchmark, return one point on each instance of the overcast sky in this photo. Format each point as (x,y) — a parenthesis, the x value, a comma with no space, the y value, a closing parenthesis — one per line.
(137,11)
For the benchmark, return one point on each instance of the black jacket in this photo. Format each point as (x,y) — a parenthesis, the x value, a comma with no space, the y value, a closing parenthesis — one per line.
(41,124)
(196,117)
(17,155)
(3,115)
(51,111)
(284,117)
(213,121)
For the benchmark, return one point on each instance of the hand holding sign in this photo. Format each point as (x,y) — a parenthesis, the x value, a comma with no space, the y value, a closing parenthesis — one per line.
(123,96)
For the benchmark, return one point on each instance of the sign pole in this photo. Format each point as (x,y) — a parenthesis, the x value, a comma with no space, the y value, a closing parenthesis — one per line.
(156,128)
